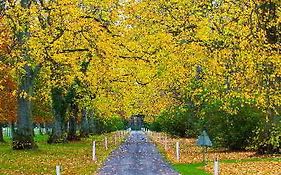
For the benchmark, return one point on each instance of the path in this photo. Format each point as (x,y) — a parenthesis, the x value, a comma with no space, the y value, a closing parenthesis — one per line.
(136,156)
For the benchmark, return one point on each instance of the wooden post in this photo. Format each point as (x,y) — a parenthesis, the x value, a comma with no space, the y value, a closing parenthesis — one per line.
(205,154)
(216,166)
(105,143)
(166,140)
(94,151)
(178,151)
(57,170)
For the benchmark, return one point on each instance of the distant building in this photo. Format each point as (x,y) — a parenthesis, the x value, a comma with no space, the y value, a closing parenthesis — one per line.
(136,122)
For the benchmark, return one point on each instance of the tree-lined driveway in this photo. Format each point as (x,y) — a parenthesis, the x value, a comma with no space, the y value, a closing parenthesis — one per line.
(136,156)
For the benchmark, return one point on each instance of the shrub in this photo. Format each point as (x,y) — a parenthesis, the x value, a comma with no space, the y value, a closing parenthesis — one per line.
(233,131)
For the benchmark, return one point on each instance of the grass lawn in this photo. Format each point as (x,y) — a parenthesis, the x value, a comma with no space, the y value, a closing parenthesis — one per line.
(268,166)
(74,157)
(190,169)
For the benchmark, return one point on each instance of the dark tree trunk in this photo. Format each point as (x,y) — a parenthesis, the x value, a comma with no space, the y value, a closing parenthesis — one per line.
(23,138)
(1,133)
(13,129)
(92,123)
(73,123)
(84,132)
(59,111)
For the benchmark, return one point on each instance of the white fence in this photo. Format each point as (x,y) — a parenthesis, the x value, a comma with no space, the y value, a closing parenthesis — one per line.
(7,131)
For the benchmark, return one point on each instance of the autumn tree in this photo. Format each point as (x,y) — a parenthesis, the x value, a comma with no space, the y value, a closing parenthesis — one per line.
(7,99)
(120,58)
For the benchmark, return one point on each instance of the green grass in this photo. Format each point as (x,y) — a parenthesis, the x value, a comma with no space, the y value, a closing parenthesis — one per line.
(190,169)
(197,168)
(38,138)
(74,157)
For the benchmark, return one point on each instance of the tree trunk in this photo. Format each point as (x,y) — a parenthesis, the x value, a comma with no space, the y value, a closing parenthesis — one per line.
(13,129)
(84,132)
(59,111)
(92,123)
(1,133)
(23,138)
(73,123)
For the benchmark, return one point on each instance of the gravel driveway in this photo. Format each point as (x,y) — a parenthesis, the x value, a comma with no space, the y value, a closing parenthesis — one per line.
(136,156)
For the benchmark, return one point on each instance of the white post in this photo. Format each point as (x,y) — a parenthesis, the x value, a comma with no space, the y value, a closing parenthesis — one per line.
(178,150)
(94,151)
(216,167)
(105,143)
(57,170)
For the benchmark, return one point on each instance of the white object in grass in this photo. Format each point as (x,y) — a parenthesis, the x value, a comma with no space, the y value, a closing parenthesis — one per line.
(58,170)
(178,150)
(94,151)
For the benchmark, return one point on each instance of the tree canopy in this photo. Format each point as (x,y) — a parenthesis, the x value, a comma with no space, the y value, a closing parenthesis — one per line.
(130,57)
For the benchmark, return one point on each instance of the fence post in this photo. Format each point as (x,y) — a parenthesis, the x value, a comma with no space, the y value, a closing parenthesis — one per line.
(178,150)
(216,167)
(119,135)
(166,142)
(57,170)
(94,151)
(105,143)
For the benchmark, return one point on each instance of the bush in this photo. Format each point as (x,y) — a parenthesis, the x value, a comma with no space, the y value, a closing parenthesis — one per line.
(267,139)
(233,131)
(111,124)
(178,121)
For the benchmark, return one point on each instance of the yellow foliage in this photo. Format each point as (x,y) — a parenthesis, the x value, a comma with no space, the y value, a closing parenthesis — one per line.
(143,54)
